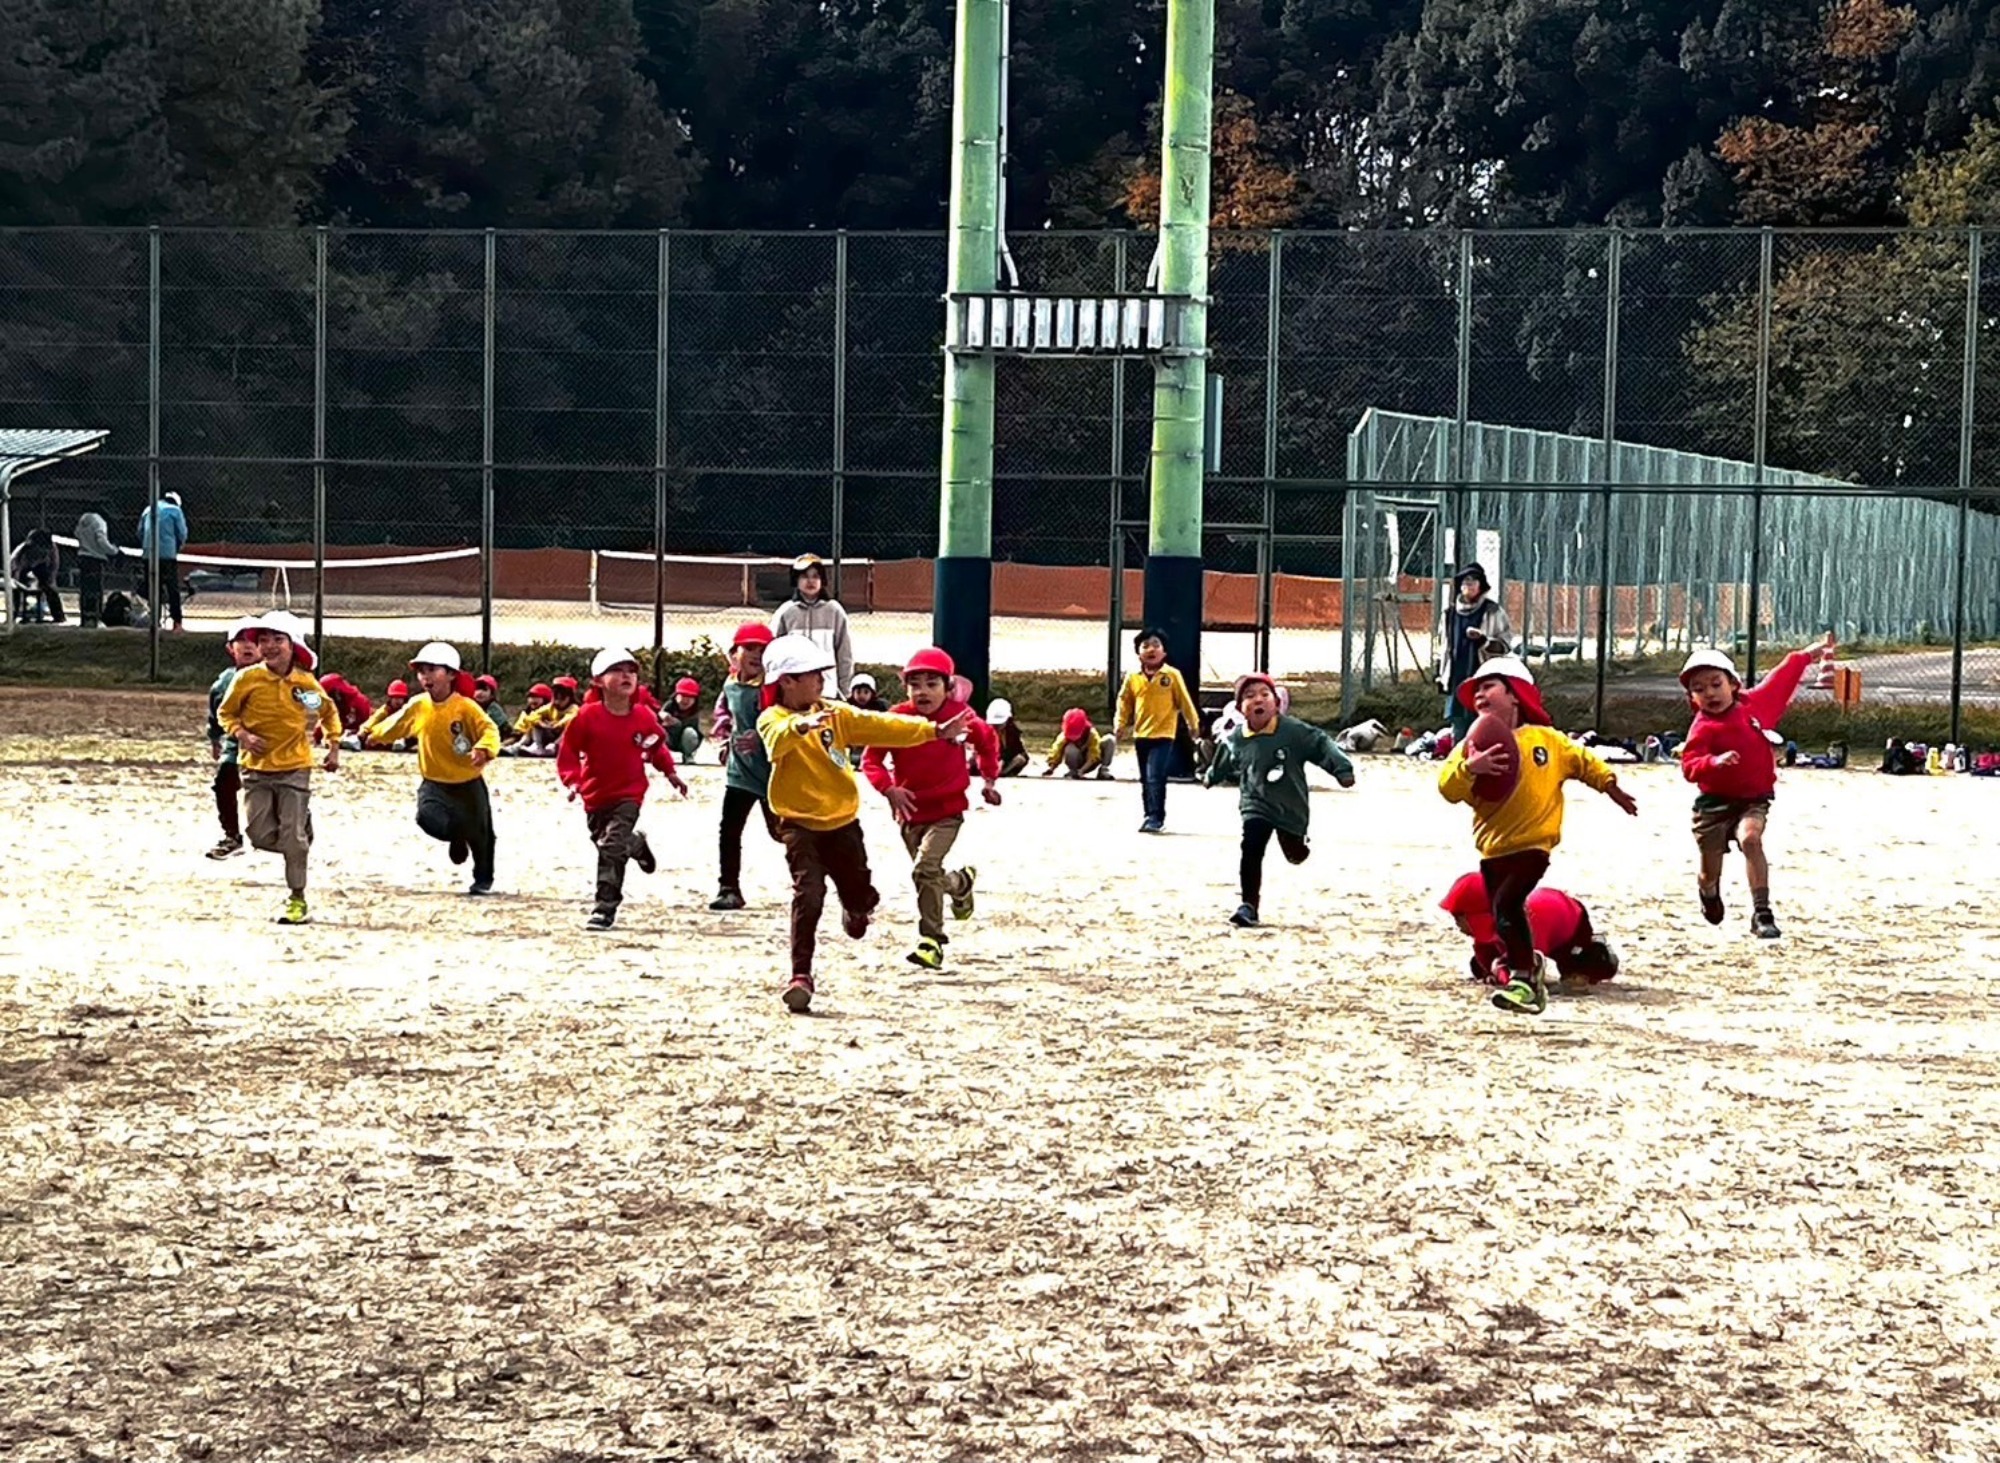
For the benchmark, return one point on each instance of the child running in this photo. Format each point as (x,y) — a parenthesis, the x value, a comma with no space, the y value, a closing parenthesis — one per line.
(1078,750)
(270,710)
(603,759)
(926,787)
(242,648)
(1152,703)
(747,769)
(1517,835)
(1561,927)
(1727,757)
(455,740)
(1268,756)
(814,794)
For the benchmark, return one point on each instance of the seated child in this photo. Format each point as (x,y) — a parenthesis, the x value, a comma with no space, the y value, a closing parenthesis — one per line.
(486,691)
(863,694)
(540,697)
(1013,750)
(364,739)
(1561,926)
(543,736)
(1079,749)
(681,717)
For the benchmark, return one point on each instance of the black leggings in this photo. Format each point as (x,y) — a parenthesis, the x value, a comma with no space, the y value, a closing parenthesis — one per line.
(736,806)
(448,810)
(1256,839)
(1509,881)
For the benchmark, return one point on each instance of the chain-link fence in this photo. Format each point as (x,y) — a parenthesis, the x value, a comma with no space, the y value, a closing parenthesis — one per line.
(1673,438)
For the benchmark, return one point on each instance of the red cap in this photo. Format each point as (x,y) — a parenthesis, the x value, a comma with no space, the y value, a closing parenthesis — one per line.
(399,688)
(756,633)
(1254,678)
(687,686)
(566,683)
(540,688)
(488,682)
(1467,900)
(933,660)
(333,681)
(1076,723)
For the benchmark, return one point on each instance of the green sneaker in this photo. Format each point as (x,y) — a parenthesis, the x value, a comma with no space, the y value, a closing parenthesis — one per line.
(961,904)
(1526,994)
(295,911)
(929,954)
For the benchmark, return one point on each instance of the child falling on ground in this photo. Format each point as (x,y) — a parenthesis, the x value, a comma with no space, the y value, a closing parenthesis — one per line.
(271,710)
(1013,748)
(350,701)
(1078,750)
(1560,924)
(926,788)
(455,741)
(681,716)
(1267,756)
(814,794)
(1151,705)
(746,767)
(603,759)
(1727,757)
(242,650)
(1517,835)
(394,699)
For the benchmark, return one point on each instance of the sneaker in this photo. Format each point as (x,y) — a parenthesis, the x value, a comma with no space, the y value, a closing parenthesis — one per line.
(295,911)
(1711,905)
(1763,926)
(1480,975)
(855,922)
(961,904)
(601,919)
(1151,825)
(1527,995)
(1104,774)
(226,848)
(799,995)
(480,886)
(642,855)
(727,899)
(929,954)
(1245,917)
(459,851)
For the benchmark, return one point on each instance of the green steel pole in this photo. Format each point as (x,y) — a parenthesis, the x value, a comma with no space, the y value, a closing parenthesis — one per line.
(1180,389)
(962,590)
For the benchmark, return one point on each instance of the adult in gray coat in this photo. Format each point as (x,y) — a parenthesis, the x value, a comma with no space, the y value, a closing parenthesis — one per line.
(94,554)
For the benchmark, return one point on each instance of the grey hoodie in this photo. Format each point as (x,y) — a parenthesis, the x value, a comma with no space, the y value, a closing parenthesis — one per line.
(823,622)
(93,538)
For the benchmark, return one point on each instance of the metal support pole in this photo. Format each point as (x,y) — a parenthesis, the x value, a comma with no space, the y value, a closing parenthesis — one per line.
(1267,542)
(839,532)
(486,462)
(1606,583)
(1460,432)
(319,438)
(1760,447)
(153,451)
(661,276)
(1115,636)
(1967,402)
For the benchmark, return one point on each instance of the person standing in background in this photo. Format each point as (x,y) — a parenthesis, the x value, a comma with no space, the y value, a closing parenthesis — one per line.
(93,556)
(822,620)
(166,517)
(1475,630)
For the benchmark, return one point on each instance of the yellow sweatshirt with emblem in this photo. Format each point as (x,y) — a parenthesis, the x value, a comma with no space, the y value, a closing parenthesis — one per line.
(812,778)
(1149,703)
(1093,750)
(280,709)
(1532,818)
(447,733)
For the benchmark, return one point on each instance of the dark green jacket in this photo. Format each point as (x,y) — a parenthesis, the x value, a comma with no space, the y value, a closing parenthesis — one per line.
(1272,770)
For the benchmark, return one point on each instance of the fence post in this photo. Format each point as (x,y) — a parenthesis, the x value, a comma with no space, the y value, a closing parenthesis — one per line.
(1761,443)
(1267,548)
(153,451)
(1607,582)
(660,282)
(839,534)
(319,438)
(1968,400)
(1113,656)
(1460,430)
(486,464)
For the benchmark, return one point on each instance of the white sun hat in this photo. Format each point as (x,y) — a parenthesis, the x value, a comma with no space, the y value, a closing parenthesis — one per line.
(249,624)
(999,712)
(610,656)
(437,653)
(795,655)
(1709,660)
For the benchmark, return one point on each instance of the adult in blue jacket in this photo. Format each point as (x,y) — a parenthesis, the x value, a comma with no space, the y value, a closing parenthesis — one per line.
(173,531)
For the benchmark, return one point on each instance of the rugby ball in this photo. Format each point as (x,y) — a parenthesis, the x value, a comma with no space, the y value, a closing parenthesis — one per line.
(1492,731)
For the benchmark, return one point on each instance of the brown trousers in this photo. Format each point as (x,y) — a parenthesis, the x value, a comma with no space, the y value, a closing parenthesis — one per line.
(814,857)
(929,845)
(277,809)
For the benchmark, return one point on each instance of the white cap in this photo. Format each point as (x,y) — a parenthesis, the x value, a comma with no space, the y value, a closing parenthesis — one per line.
(173,498)
(864,679)
(795,655)
(1709,660)
(999,712)
(1512,667)
(437,653)
(241,628)
(611,655)
(285,623)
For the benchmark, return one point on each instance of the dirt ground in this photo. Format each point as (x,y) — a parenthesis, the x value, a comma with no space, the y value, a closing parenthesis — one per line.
(443,1179)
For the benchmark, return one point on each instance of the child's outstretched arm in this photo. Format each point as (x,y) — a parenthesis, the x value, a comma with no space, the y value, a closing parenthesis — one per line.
(1329,756)
(1769,698)
(1586,767)
(886,729)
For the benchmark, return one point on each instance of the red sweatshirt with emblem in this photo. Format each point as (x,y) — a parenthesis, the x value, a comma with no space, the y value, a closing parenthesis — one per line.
(936,771)
(1740,729)
(604,757)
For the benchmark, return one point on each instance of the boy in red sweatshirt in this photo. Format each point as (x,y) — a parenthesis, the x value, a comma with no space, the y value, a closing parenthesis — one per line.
(602,759)
(1727,757)
(926,787)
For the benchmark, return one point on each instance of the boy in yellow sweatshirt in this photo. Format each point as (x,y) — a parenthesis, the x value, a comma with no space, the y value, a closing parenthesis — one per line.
(271,711)
(814,796)
(1517,834)
(455,740)
(1153,700)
